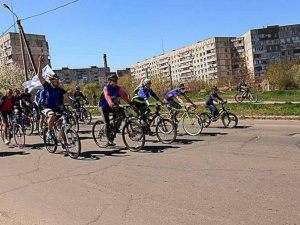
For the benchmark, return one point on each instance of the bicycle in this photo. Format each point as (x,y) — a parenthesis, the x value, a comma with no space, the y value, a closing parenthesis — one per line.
(165,129)
(228,118)
(192,124)
(246,94)
(27,122)
(15,131)
(83,115)
(133,135)
(66,135)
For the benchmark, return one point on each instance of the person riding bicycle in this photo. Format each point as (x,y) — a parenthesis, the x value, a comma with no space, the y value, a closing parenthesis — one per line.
(77,95)
(39,101)
(7,103)
(243,87)
(26,101)
(94,97)
(141,99)
(53,96)
(107,103)
(210,102)
(169,97)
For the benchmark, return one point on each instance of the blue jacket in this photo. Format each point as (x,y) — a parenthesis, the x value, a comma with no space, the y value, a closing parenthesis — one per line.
(145,93)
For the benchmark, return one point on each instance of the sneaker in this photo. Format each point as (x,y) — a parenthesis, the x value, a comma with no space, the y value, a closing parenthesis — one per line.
(110,143)
(214,119)
(152,133)
(49,136)
(6,142)
(41,130)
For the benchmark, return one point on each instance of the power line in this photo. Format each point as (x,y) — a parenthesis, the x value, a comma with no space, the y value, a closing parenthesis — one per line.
(51,10)
(3,33)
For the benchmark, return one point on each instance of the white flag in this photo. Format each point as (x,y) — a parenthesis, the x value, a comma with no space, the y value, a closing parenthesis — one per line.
(35,83)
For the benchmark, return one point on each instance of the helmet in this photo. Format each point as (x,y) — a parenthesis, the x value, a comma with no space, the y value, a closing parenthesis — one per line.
(53,76)
(77,88)
(113,77)
(147,81)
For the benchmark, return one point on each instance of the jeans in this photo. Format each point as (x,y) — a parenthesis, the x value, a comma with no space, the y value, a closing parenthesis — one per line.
(213,111)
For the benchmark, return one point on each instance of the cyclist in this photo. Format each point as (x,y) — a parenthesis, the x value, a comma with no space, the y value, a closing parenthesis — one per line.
(210,102)
(7,103)
(77,95)
(141,100)
(94,99)
(39,101)
(26,101)
(17,97)
(53,96)
(169,97)
(243,87)
(108,100)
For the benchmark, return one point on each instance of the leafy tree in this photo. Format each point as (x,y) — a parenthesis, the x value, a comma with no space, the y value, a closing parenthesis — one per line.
(285,75)
(90,89)
(12,76)
(127,83)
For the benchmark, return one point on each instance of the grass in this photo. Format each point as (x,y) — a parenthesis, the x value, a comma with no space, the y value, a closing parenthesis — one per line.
(247,109)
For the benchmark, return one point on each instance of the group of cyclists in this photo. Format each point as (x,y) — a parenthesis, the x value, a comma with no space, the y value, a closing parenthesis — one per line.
(49,101)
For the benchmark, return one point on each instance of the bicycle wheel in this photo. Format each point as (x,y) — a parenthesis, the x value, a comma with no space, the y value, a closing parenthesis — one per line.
(86,116)
(253,97)
(19,136)
(133,136)
(238,97)
(2,132)
(99,135)
(166,131)
(73,147)
(205,117)
(73,121)
(51,145)
(229,120)
(28,125)
(192,124)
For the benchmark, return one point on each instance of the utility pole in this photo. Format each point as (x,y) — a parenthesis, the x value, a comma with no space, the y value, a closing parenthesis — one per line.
(147,73)
(22,42)
(170,75)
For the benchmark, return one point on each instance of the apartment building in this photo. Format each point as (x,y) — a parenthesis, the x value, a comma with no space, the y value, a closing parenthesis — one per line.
(10,49)
(273,44)
(208,60)
(93,74)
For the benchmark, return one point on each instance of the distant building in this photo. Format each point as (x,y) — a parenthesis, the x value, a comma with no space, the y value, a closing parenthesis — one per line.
(10,49)
(123,72)
(93,74)
(219,57)
(273,44)
(208,60)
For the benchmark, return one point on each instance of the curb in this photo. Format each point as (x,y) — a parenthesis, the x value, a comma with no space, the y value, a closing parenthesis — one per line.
(271,117)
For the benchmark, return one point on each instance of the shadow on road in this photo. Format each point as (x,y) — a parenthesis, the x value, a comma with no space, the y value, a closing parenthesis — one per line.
(4,154)
(212,133)
(37,146)
(97,154)
(156,149)
(186,141)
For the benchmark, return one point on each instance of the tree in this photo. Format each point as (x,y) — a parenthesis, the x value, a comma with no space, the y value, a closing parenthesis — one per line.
(285,75)
(90,89)
(127,83)
(12,76)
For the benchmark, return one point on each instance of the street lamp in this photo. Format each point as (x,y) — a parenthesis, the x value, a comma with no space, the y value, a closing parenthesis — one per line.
(22,37)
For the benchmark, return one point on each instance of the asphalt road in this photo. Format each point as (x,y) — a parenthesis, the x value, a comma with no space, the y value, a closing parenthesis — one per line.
(247,175)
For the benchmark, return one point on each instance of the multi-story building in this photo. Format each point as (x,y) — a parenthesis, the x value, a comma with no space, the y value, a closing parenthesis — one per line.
(93,74)
(10,49)
(208,60)
(270,45)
